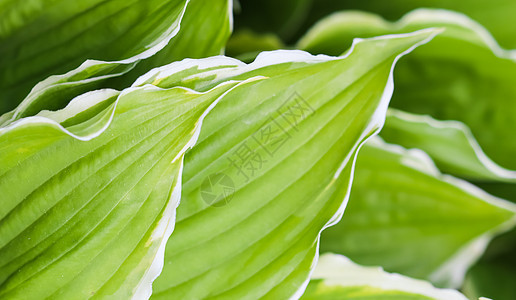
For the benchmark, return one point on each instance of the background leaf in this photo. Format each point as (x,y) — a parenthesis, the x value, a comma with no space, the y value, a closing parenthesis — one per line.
(407,217)
(462,75)
(336,277)
(450,144)
(495,15)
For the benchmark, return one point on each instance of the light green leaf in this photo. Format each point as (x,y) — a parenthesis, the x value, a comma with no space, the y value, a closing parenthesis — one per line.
(89,192)
(495,15)
(338,278)
(450,144)
(248,226)
(462,75)
(406,216)
(43,37)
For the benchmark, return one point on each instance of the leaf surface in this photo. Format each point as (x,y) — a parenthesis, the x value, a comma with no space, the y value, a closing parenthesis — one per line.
(272,167)
(495,15)
(450,144)
(463,75)
(338,278)
(89,192)
(44,37)
(407,217)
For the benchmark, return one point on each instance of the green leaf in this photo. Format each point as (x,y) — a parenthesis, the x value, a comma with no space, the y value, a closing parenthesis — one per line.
(407,217)
(204,31)
(42,38)
(462,75)
(89,192)
(336,277)
(495,15)
(450,144)
(493,276)
(492,279)
(248,226)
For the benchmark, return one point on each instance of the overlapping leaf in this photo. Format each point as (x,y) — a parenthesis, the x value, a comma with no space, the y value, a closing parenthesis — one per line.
(89,192)
(404,215)
(495,15)
(204,30)
(42,38)
(462,75)
(450,144)
(336,277)
(272,166)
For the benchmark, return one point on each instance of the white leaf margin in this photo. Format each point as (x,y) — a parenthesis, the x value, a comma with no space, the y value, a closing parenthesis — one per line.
(264,59)
(338,270)
(376,123)
(496,170)
(425,16)
(414,17)
(53,81)
(451,273)
(166,225)
(230,67)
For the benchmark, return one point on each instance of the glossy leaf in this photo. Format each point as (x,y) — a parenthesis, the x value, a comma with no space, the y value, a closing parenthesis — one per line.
(89,192)
(272,167)
(42,38)
(204,31)
(407,217)
(338,278)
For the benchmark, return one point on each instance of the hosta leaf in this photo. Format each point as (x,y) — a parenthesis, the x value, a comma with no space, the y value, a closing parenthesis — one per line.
(336,277)
(493,276)
(248,226)
(205,29)
(42,38)
(495,15)
(204,32)
(493,279)
(193,40)
(89,192)
(503,190)
(450,144)
(462,75)
(404,215)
